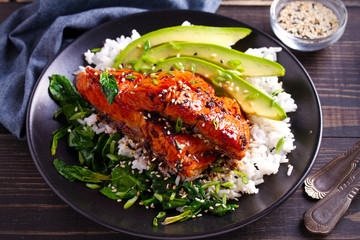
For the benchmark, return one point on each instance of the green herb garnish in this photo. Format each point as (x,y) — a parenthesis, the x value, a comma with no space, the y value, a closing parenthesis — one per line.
(94,50)
(178,124)
(276,92)
(235,64)
(147,45)
(193,68)
(179,66)
(175,46)
(243,177)
(130,202)
(92,185)
(131,77)
(148,60)
(216,123)
(108,86)
(155,222)
(178,146)
(252,96)
(279,145)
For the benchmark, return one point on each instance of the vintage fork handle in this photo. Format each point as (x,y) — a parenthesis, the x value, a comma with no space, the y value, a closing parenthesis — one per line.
(333,174)
(324,215)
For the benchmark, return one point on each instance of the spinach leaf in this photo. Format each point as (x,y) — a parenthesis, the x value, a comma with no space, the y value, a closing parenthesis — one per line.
(98,165)
(108,86)
(110,193)
(107,146)
(193,193)
(73,172)
(88,157)
(60,133)
(189,211)
(162,186)
(101,141)
(123,179)
(174,203)
(62,90)
(80,138)
(149,201)
(221,210)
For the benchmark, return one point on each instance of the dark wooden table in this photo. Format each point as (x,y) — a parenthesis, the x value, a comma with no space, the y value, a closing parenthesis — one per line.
(30,210)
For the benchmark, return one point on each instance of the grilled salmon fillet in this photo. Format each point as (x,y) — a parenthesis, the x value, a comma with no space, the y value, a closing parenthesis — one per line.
(182,152)
(175,94)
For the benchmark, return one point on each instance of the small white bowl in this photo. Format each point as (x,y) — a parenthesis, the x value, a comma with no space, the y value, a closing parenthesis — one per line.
(306,44)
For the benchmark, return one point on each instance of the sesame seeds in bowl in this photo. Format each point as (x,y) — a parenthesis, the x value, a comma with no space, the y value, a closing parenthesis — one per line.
(308,25)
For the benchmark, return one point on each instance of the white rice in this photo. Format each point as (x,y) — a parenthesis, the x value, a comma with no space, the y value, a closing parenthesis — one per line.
(261,158)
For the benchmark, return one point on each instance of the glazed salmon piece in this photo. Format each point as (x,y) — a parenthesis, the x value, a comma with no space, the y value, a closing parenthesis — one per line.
(218,120)
(183,153)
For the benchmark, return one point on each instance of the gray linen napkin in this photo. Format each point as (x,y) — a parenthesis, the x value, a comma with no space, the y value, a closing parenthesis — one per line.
(32,36)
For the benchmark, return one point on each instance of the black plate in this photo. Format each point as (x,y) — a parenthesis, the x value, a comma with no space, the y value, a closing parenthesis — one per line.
(306,126)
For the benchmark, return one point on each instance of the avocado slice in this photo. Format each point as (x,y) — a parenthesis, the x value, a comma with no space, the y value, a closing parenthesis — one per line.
(246,65)
(225,36)
(251,100)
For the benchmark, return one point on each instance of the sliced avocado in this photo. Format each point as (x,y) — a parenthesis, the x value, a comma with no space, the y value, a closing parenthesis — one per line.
(251,100)
(225,36)
(244,64)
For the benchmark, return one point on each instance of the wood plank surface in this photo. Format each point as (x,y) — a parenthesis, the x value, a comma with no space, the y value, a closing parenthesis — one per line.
(30,210)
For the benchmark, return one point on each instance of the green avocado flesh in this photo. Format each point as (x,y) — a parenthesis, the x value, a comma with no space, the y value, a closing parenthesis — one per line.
(244,64)
(224,36)
(251,100)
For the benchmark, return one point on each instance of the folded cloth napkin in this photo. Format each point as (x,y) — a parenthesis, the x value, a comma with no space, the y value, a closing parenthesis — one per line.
(32,36)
